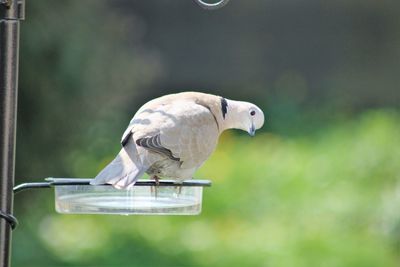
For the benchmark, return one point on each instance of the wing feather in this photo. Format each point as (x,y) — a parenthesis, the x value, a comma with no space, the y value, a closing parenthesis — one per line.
(153,143)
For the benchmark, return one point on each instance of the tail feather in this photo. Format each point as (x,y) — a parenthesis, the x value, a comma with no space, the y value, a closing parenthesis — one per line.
(123,171)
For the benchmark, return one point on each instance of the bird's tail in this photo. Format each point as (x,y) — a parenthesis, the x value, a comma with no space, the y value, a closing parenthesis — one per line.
(123,171)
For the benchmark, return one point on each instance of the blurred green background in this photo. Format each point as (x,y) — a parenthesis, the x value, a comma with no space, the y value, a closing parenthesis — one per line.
(318,186)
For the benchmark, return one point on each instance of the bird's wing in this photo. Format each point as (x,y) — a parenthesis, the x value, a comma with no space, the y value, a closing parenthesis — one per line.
(141,116)
(126,135)
(180,130)
(153,143)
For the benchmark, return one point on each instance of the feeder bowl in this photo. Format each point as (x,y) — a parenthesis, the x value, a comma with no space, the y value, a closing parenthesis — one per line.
(77,196)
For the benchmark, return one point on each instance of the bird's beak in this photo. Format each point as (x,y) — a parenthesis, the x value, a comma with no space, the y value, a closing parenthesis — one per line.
(252,130)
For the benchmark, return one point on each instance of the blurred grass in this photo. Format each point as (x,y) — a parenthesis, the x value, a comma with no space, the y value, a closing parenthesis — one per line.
(325,199)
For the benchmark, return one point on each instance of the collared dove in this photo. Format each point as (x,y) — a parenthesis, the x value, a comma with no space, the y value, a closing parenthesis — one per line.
(173,135)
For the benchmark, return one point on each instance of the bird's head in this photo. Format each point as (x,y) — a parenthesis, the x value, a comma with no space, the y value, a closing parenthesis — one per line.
(244,116)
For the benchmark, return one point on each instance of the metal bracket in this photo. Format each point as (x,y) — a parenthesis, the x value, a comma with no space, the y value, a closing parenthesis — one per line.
(21,9)
(7,3)
(51,182)
(12,221)
(10,12)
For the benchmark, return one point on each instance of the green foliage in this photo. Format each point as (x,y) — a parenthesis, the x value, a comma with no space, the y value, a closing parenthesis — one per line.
(325,199)
(78,62)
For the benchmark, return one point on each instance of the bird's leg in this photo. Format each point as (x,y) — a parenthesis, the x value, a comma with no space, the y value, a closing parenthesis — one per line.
(157,180)
(151,190)
(179,189)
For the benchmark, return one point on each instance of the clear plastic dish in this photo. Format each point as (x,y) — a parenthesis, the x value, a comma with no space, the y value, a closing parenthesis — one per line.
(144,198)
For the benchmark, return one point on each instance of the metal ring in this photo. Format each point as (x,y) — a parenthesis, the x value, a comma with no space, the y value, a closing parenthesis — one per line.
(12,221)
(51,182)
(213,6)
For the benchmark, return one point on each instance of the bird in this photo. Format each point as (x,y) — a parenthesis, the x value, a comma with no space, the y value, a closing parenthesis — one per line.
(173,135)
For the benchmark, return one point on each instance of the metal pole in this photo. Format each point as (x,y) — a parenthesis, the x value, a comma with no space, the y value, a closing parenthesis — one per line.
(11,12)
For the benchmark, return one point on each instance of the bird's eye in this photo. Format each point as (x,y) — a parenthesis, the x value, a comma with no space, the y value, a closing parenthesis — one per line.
(252,113)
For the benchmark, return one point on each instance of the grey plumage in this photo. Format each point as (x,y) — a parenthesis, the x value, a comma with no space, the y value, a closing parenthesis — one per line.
(173,135)
(124,170)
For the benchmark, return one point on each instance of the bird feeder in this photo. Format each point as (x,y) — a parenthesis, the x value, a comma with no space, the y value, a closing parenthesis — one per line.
(146,197)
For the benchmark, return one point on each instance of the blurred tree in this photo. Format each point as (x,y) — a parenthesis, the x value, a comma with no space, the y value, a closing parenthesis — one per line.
(322,182)
(79,61)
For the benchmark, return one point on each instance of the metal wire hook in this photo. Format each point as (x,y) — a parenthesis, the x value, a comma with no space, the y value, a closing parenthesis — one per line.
(212,6)
(10,219)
